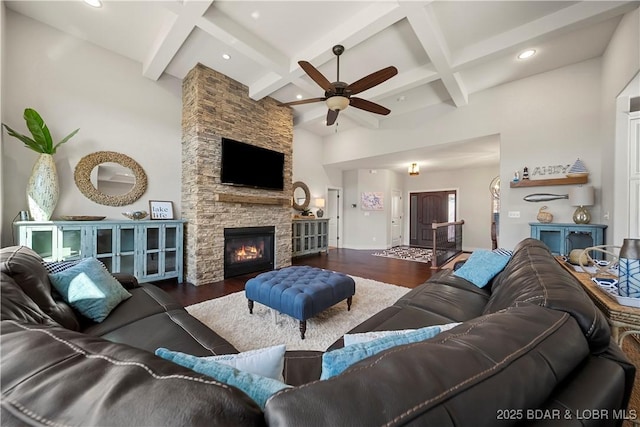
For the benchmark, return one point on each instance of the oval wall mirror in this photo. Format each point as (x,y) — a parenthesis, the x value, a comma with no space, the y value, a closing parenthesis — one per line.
(113,179)
(301,196)
(110,178)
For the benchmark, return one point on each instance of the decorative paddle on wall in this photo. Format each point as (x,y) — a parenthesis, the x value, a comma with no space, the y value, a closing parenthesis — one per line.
(338,95)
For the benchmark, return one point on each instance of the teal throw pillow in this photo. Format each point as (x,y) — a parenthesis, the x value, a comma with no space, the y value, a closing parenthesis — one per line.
(482,266)
(336,361)
(363,337)
(257,387)
(89,288)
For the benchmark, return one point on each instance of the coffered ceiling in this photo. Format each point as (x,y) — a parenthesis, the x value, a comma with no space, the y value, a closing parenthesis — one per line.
(444,50)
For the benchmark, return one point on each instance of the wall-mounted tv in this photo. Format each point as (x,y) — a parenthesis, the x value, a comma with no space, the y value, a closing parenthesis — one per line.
(250,166)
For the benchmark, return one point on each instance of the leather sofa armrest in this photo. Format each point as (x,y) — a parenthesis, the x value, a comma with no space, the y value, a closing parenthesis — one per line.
(129,281)
(302,367)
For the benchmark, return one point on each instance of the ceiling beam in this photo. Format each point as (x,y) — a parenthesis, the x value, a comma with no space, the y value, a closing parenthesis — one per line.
(564,20)
(171,39)
(424,24)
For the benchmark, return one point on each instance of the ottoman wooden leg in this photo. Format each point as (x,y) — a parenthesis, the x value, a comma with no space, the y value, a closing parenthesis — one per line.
(303,328)
(250,304)
(349,303)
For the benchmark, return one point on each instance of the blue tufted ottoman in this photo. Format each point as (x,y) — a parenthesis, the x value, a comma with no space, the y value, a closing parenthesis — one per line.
(300,291)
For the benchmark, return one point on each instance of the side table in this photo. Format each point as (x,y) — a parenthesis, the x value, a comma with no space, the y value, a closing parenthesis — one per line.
(618,316)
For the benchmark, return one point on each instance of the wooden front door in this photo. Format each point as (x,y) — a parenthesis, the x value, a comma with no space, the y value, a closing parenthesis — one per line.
(427,208)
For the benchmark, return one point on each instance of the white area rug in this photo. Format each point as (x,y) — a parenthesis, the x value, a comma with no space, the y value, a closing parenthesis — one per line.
(229,317)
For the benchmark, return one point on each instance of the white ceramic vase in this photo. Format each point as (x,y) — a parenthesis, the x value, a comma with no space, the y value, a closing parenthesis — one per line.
(42,189)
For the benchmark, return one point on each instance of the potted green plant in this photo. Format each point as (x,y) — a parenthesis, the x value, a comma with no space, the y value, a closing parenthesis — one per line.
(42,189)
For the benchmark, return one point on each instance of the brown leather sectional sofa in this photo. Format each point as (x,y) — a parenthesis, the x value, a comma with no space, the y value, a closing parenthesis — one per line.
(532,350)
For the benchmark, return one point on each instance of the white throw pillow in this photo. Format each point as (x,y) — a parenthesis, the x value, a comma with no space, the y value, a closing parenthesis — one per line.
(267,362)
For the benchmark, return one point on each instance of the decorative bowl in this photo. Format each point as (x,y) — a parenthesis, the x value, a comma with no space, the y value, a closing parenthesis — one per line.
(136,215)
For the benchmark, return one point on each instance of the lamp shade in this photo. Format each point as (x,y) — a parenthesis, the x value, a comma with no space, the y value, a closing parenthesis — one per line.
(319,203)
(337,102)
(581,196)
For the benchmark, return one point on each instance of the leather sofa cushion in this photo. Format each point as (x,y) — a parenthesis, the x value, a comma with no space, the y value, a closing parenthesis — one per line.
(70,378)
(175,330)
(146,300)
(605,381)
(533,276)
(25,266)
(447,296)
(458,377)
(16,305)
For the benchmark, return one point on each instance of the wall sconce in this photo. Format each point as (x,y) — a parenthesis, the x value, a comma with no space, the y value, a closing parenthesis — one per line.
(581,197)
(414,169)
(320,205)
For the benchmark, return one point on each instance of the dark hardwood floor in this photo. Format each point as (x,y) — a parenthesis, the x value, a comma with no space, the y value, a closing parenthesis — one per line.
(359,263)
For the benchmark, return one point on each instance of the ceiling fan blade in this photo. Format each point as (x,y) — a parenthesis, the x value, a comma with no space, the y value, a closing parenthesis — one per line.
(363,104)
(316,75)
(302,101)
(372,80)
(332,115)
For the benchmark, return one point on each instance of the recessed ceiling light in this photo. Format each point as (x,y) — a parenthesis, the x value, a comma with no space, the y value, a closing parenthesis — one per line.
(255,14)
(401,98)
(527,54)
(298,96)
(93,3)
(226,56)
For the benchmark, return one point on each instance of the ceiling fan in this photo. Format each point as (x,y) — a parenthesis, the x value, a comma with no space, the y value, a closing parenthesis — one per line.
(338,95)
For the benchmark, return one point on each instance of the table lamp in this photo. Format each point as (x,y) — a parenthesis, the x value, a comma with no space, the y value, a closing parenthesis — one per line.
(319,205)
(581,196)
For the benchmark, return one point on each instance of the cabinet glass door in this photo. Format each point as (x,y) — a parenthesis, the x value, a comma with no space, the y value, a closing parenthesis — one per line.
(105,247)
(152,250)
(169,262)
(125,249)
(69,243)
(41,240)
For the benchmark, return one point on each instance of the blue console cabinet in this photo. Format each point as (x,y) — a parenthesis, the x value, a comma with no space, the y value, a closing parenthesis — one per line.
(562,238)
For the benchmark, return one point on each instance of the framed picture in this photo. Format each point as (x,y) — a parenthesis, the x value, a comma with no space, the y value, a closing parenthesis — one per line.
(372,201)
(161,209)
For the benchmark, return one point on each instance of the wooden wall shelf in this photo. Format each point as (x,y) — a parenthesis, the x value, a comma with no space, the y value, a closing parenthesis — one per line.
(255,200)
(574,180)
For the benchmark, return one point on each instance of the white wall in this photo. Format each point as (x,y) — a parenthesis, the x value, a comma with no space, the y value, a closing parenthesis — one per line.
(75,84)
(368,229)
(620,63)
(308,168)
(548,119)
(473,202)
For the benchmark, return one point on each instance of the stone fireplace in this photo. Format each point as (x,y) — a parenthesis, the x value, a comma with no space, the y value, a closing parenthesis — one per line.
(215,106)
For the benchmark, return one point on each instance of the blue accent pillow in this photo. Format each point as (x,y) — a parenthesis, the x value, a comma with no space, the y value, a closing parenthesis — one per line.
(362,337)
(257,387)
(482,266)
(89,288)
(336,361)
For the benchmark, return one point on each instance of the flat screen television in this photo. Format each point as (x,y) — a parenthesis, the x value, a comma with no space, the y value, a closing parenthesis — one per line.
(250,166)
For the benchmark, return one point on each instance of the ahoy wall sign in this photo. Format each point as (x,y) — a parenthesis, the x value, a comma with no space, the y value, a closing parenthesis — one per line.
(549,170)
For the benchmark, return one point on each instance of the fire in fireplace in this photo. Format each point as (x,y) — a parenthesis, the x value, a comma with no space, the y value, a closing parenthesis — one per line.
(248,250)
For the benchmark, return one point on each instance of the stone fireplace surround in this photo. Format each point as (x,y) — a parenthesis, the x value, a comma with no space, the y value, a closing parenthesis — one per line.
(215,106)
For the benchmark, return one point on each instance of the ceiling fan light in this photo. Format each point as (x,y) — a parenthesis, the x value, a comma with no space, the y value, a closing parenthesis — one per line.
(414,169)
(337,103)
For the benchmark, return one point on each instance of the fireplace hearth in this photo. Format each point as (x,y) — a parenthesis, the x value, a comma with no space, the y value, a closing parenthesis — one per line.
(248,250)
